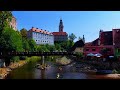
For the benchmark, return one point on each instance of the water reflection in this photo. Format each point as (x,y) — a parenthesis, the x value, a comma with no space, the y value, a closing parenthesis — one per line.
(43,74)
(28,71)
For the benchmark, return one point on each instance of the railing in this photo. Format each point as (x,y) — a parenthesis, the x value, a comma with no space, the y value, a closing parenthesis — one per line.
(35,53)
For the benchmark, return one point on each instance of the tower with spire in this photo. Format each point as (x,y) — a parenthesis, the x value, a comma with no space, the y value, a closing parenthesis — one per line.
(83,39)
(60,36)
(61,26)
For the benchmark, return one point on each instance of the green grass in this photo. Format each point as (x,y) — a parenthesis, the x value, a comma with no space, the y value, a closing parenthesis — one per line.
(33,59)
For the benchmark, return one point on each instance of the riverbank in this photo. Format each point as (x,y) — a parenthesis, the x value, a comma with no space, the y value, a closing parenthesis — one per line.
(6,70)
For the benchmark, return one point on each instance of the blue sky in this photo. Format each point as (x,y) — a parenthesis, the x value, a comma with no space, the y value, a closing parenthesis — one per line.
(87,23)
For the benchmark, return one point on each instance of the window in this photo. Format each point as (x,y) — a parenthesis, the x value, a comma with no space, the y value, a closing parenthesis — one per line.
(93,49)
(36,40)
(87,49)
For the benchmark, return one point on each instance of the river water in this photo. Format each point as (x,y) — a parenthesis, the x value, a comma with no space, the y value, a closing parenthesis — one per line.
(29,71)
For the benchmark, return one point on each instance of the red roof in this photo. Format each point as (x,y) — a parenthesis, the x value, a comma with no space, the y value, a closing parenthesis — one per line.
(59,33)
(88,44)
(39,30)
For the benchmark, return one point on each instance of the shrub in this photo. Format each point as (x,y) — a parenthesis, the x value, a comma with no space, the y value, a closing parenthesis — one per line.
(15,59)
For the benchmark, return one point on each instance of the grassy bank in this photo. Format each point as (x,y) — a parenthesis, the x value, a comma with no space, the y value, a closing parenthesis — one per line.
(13,65)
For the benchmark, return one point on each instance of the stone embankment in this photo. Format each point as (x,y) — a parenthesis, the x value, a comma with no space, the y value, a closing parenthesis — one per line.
(5,71)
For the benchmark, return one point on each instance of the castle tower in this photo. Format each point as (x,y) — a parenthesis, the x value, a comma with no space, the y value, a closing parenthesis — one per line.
(61,26)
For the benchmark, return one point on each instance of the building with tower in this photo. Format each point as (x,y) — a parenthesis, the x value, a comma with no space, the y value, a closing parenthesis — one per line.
(61,35)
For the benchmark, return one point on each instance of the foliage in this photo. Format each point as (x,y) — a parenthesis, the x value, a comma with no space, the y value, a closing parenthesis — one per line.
(23,33)
(79,38)
(25,44)
(15,59)
(33,59)
(52,48)
(79,54)
(5,18)
(57,46)
(72,37)
(32,45)
(115,71)
(11,40)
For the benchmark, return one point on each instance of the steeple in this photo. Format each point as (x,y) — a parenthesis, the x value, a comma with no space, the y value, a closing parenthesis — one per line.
(83,39)
(61,26)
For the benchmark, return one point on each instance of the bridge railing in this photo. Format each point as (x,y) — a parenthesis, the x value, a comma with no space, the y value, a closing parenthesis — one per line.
(35,53)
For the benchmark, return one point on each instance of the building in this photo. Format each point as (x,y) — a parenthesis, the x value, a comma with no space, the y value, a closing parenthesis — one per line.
(60,36)
(104,42)
(79,46)
(99,49)
(106,37)
(116,42)
(13,23)
(41,36)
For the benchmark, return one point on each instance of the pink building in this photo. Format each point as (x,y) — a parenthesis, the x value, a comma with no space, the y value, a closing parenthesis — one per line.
(98,49)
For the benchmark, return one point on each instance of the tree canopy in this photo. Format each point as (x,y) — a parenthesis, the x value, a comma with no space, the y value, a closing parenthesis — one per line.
(72,37)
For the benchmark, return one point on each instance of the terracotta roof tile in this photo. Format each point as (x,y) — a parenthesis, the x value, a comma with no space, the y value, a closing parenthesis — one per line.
(40,31)
(59,33)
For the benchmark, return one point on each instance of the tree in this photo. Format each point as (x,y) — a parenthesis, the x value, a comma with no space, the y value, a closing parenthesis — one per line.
(79,38)
(23,33)
(32,44)
(10,40)
(25,44)
(5,19)
(52,48)
(72,37)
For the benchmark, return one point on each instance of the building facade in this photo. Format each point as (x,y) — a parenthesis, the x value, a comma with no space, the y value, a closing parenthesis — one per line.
(104,42)
(60,36)
(98,49)
(41,36)
(116,42)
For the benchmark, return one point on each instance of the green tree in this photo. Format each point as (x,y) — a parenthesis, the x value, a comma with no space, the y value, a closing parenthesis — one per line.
(79,38)
(52,48)
(5,19)
(32,44)
(72,37)
(57,46)
(25,44)
(11,40)
(23,33)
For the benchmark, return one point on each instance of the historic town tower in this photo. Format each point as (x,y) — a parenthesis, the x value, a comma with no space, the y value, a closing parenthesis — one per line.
(61,26)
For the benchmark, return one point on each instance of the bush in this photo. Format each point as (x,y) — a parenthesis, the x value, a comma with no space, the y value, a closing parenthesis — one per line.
(79,54)
(15,59)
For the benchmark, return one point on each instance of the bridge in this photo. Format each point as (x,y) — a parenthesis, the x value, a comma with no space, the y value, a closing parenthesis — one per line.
(35,54)
(42,54)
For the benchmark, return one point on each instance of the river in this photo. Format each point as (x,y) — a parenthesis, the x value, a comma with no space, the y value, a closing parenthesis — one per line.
(29,71)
